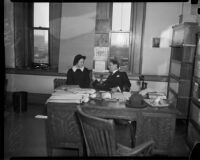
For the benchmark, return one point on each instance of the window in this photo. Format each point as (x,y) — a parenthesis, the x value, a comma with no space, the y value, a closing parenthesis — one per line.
(126,32)
(120,34)
(36,35)
(41,33)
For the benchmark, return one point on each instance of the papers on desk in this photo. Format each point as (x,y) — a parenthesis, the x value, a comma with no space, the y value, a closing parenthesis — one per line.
(66,87)
(152,94)
(154,103)
(71,95)
(82,90)
(121,96)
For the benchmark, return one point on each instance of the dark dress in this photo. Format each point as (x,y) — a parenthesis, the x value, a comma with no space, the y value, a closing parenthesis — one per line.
(117,79)
(81,78)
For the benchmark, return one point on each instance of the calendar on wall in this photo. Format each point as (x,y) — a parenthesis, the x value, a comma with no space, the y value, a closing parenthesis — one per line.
(100,58)
(101,53)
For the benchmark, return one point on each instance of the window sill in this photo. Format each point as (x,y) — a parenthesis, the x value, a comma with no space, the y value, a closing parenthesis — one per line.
(27,71)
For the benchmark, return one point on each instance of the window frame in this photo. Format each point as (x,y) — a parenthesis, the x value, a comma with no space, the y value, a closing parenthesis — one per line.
(32,39)
(135,52)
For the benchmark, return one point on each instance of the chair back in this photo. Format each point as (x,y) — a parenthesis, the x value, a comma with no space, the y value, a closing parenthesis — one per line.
(58,82)
(98,134)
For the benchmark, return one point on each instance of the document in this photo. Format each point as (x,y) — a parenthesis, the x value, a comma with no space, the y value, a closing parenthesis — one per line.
(101,53)
(99,66)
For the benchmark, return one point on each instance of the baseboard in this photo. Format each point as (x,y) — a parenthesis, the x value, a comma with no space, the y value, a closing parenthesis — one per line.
(33,98)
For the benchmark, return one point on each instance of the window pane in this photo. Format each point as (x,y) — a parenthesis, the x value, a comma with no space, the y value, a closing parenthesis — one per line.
(41,14)
(121,16)
(120,49)
(41,46)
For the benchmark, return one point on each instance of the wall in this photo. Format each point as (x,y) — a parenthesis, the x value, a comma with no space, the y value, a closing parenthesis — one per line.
(77,34)
(9,34)
(44,84)
(159,18)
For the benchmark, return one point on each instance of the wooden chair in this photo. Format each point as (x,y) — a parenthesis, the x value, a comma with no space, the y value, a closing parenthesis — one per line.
(59,82)
(99,136)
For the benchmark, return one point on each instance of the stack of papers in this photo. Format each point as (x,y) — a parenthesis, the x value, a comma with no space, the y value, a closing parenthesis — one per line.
(71,95)
(121,96)
(82,90)
(154,95)
(66,87)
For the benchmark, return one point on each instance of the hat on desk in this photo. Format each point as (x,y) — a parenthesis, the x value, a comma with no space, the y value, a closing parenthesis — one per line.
(136,101)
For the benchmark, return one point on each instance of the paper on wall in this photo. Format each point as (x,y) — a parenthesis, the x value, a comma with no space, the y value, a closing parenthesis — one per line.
(101,53)
(99,66)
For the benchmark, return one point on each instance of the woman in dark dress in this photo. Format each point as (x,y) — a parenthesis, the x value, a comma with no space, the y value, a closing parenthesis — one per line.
(78,74)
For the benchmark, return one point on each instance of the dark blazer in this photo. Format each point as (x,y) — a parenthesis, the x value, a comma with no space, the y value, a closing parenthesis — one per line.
(117,79)
(78,78)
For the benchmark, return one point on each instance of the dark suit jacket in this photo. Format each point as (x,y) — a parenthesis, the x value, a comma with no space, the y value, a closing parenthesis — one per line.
(117,79)
(78,78)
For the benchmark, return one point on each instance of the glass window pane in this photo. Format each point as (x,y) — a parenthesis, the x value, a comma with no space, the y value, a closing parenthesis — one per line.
(121,16)
(120,49)
(41,14)
(41,46)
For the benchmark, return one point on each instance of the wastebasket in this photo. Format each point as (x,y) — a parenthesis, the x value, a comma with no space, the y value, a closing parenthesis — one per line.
(20,101)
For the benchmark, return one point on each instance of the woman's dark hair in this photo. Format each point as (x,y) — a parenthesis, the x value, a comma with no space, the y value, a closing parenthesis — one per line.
(77,58)
(114,61)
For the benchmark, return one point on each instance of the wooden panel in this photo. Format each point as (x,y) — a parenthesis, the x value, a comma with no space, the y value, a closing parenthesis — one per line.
(19,38)
(193,135)
(181,70)
(183,106)
(139,12)
(183,54)
(102,40)
(173,84)
(197,68)
(102,26)
(147,122)
(196,90)
(22,39)
(186,71)
(180,86)
(163,124)
(195,113)
(103,11)
(184,88)
(185,34)
(62,128)
(55,26)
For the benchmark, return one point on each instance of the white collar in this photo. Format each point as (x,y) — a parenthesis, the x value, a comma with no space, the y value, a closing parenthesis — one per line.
(74,68)
(114,71)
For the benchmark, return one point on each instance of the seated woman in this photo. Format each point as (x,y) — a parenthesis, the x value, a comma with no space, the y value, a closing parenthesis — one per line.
(116,81)
(78,74)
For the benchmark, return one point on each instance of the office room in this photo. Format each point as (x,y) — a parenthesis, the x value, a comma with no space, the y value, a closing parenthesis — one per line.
(152,47)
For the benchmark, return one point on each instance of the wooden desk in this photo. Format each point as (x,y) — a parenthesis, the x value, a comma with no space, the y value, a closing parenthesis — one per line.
(63,128)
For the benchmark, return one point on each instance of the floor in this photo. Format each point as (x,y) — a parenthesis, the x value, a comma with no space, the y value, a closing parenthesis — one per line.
(24,135)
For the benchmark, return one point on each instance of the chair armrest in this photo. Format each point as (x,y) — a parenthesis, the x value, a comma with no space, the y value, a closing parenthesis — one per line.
(145,149)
